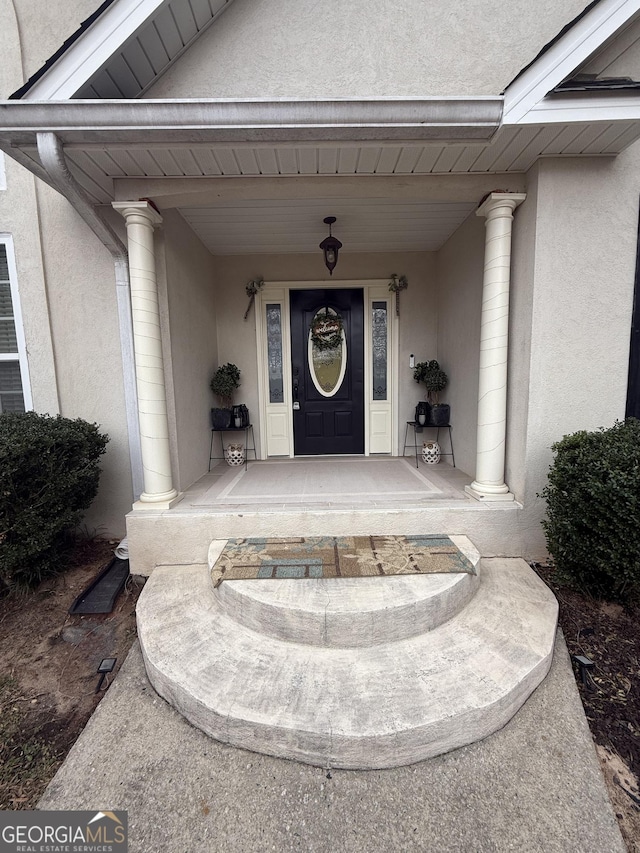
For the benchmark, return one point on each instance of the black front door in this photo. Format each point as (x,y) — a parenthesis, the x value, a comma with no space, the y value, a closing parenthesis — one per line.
(328,383)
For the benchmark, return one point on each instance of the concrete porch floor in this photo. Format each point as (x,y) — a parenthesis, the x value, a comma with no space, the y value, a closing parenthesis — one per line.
(328,483)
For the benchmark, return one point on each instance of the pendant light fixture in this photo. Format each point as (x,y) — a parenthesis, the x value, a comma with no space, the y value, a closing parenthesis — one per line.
(330,246)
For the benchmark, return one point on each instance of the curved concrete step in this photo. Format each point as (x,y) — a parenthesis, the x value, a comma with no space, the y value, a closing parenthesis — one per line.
(368,707)
(348,612)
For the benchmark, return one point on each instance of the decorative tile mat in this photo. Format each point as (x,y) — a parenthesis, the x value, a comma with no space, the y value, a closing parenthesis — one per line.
(338,557)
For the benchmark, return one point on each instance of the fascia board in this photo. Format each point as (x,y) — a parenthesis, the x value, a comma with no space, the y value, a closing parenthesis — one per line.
(94,47)
(257,119)
(584,109)
(563,57)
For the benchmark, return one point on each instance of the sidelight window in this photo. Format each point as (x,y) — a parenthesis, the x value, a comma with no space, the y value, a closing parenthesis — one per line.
(379,349)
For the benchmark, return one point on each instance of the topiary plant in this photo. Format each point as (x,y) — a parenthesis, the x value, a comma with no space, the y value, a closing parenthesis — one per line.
(593,510)
(49,475)
(225,381)
(433,377)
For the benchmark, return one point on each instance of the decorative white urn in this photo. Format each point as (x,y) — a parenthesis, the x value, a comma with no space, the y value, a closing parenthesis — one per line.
(234,454)
(431,452)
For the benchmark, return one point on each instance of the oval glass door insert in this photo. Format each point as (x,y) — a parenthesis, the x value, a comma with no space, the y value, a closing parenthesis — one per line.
(327,364)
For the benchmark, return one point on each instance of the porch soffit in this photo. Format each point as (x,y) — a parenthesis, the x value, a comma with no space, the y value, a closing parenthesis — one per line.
(97,166)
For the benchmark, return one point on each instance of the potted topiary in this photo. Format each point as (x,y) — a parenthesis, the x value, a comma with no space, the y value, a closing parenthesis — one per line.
(225,381)
(435,380)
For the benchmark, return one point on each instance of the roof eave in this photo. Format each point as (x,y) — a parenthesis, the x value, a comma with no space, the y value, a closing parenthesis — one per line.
(564,55)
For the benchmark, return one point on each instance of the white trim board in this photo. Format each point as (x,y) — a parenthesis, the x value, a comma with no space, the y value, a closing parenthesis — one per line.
(571,109)
(21,355)
(565,56)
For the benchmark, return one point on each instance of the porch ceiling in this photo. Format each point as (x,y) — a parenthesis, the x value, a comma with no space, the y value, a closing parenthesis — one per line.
(295,225)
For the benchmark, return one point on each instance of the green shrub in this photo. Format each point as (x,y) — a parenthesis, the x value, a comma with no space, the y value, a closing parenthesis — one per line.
(48,476)
(593,509)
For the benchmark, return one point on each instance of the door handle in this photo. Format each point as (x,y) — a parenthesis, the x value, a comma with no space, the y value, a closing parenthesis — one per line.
(296,404)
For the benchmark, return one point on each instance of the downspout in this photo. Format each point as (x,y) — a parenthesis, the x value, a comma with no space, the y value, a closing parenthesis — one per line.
(51,153)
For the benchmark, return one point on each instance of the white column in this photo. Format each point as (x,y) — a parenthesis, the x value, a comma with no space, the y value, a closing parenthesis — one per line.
(141,219)
(489,483)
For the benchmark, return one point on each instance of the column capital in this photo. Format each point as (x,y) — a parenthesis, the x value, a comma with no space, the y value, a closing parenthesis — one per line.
(147,214)
(497,200)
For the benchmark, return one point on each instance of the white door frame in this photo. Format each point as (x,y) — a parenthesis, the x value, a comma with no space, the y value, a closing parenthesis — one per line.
(279,416)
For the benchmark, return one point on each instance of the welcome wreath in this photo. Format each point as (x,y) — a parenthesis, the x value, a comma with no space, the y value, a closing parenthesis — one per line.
(326,330)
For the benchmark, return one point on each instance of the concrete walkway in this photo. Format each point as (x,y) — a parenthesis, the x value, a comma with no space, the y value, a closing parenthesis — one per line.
(533,786)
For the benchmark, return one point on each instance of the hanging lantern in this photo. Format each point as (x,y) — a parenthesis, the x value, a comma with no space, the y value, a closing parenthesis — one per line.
(330,246)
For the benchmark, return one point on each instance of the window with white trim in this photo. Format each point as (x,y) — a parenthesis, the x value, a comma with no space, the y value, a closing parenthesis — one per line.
(14,395)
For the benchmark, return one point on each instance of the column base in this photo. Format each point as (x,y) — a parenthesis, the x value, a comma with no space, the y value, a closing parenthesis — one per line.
(165,501)
(487,495)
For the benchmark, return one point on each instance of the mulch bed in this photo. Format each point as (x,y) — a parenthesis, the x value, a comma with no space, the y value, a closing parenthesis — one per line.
(48,663)
(609,635)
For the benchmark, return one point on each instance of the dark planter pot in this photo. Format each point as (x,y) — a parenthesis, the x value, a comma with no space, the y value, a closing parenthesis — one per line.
(440,414)
(220,418)
(422,409)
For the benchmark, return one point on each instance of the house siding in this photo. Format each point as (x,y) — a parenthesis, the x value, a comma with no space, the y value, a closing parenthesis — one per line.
(581,296)
(189,299)
(43,27)
(460,265)
(364,48)
(81,295)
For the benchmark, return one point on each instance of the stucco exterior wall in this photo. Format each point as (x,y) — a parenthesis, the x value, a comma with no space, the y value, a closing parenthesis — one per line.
(65,280)
(585,245)
(43,27)
(364,48)
(190,344)
(237,338)
(620,56)
(81,290)
(19,218)
(459,272)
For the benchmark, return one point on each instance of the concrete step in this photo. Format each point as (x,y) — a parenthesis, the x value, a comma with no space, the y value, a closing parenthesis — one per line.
(354,612)
(383,705)
(182,535)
